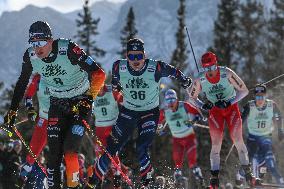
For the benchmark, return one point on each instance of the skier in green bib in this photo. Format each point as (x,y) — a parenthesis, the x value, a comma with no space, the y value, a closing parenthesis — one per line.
(65,69)
(261,114)
(138,79)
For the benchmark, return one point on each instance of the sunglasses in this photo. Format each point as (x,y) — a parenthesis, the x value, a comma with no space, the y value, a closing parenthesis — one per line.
(210,68)
(170,100)
(259,97)
(35,44)
(133,57)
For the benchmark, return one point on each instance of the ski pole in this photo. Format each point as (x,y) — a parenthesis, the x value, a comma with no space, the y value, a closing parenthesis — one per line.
(128,181)
(10,134)
(191,48)
(201,126)
(29,149)
(229,153)
(264,83)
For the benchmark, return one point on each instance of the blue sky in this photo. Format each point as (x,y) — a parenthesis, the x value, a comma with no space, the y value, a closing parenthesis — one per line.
(60,5)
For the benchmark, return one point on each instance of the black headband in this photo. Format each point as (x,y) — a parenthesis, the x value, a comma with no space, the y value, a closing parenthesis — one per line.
(135,45)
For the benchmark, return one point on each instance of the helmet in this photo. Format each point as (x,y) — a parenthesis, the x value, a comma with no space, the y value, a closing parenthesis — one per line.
(170,96)
(208,59)
(260,88)
(39,30)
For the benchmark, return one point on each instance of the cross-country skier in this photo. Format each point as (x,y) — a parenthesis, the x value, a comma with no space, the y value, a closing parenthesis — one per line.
(39,136)
(180,116)
(223,89)
(261,114)
(66,69)
(138,79)
(105,111)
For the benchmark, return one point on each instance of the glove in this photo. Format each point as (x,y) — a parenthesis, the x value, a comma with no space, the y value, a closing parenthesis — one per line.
(160,129)
(10,118)
(82,108)
(207,106)
(223,104)
(187,81)
(280,135)
(25,170)
(32,114)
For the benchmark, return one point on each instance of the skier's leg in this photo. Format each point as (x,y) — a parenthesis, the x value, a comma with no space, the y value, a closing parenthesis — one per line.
(266,149)
(55,142)
(121,131)
(234,121)
(252,146)
(216,128)
(102,133)
(147,126)
(177,153)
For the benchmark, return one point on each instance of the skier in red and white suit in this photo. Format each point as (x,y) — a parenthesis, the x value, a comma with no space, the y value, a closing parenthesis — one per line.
(223,89)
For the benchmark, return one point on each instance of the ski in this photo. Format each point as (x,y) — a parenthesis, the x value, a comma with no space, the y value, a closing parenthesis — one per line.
(266,185)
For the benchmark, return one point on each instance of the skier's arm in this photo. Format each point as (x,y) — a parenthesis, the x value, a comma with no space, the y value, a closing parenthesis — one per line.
(116,77)
(22,82)
(31,90)
(245,112)
(161,122)
(278,121)
(193,93)
(77,56)
(239,85)
(165,70)
(117,96)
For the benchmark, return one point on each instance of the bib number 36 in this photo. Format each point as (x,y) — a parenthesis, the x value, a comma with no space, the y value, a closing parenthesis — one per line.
(138,95)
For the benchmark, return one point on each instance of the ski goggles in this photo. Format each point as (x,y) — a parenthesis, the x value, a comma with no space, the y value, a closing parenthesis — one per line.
(36,44)
(170,100)
(210,68)
(133,57)
(259,97)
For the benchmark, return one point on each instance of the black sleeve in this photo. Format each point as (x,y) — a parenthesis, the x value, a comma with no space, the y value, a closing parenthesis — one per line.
(78,56)
(245,112)
(115,76)
(167,70)
(22,82)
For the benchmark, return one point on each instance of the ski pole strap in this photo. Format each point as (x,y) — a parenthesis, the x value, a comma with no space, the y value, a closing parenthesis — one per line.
(29,149)
(126,178)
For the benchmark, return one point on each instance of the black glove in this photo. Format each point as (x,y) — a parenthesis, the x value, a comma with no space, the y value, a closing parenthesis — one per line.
(32,114)
(222,104)
(280,135)
(83,107)
(9,119)
(186,82)
(207,106)
(117,87)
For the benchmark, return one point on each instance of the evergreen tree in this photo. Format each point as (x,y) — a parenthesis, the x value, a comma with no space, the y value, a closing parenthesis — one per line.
(251,28)
(179,56)
(88,29)
(274,55)
(129,31)
(225,32)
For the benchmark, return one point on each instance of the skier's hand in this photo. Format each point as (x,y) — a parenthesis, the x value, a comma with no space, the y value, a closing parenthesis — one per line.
(83,107)
(222,104)
(186,82)
(32,114)
(207,106)
(10,118)
(117,87)
(160,129)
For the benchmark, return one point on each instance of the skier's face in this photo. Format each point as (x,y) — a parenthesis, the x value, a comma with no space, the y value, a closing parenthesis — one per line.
(136,59)
(43,48)
(260,99)
(173,104)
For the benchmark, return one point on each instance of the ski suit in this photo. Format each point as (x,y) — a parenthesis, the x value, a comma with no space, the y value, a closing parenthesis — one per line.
(140,90)
(260,122)
(66,72)
(184,140)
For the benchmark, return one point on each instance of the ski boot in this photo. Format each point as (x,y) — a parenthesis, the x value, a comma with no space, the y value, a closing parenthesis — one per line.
(198,176)
(147,180)
(250,178)
(94,183)
(214,180)
(178,178)
(117,181)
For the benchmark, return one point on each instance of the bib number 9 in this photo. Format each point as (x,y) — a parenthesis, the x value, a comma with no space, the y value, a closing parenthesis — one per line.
(138,95)
(104,111)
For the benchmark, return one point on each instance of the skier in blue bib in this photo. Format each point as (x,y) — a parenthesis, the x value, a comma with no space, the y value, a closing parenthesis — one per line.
(74,80)
(138,79)
(261,114)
